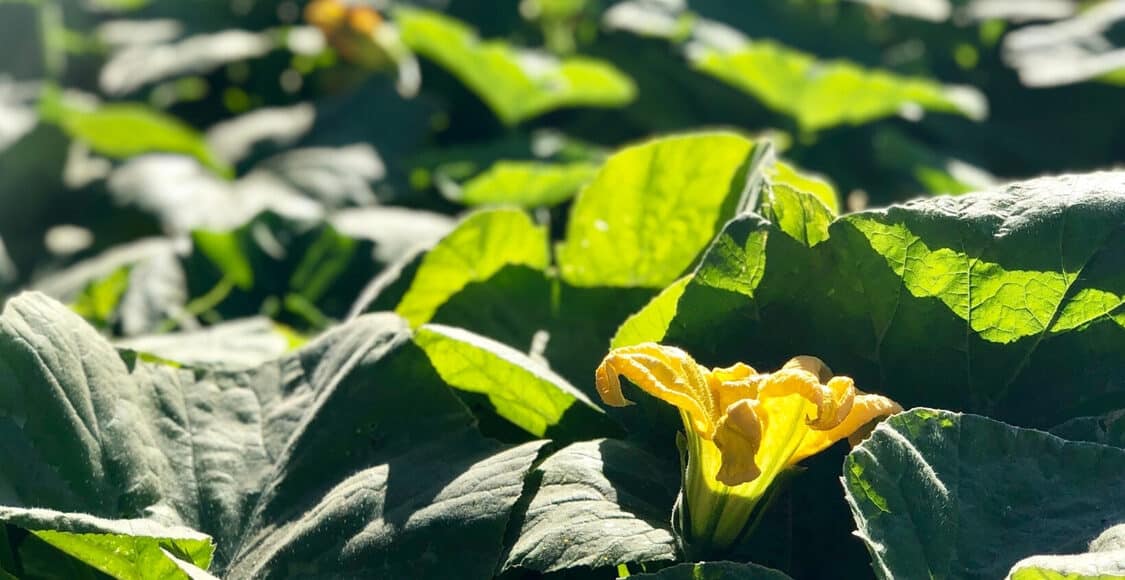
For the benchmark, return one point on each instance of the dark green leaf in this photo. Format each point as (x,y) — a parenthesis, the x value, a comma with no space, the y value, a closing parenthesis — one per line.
(945,495)
(597,504)
(265,460)
(307,267)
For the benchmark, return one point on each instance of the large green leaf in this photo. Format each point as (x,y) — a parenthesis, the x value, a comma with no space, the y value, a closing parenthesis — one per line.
(596,504)
(817,94)
(122,130)
(822,94)
(801,204)
(1006,303)
(650,210)
(944,495)
(267,461)
(516,84)
(125,549)
(477,248)
(436,511)
(518,388)
(714,571)
(410,476)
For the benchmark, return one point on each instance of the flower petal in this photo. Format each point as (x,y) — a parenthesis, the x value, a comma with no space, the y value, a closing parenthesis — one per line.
(738,436)
(843,393)
(734,373)
(865,409)
(664,372)
(814,365)
(733,383)
(795,381)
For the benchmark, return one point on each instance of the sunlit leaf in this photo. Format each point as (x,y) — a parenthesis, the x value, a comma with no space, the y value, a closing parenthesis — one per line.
(822,94)
(123,130)
(73,543)
(518,388)
(476,249)
(651,209)
(1007,303)
(516,84)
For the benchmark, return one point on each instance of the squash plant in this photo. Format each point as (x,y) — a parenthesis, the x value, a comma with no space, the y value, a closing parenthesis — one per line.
(568,289)
(391,445)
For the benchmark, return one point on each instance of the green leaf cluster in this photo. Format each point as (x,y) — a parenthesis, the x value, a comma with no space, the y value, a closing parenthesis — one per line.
(317,289)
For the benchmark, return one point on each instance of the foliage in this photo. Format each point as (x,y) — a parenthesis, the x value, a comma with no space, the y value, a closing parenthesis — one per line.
(318,289)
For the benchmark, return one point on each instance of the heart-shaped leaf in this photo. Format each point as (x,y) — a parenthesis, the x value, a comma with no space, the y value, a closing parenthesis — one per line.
(945,495)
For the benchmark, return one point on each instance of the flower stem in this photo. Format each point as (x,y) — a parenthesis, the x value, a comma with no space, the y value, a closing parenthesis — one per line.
(717,515)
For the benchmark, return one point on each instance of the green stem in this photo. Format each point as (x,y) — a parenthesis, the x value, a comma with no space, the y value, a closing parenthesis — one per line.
(718,515)
(51,27)
(201,305)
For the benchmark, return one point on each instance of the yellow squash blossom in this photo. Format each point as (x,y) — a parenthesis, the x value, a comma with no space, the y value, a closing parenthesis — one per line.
(350,29)
(361,36)
(743,428)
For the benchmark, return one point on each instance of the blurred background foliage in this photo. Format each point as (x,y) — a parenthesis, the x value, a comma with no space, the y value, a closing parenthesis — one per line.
(196,144)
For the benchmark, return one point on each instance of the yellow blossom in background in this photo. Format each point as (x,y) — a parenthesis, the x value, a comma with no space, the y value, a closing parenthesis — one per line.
(362,37)
(742,428)
(350,29)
